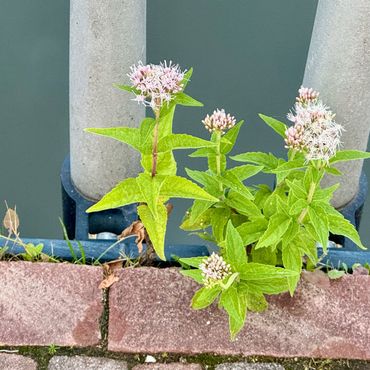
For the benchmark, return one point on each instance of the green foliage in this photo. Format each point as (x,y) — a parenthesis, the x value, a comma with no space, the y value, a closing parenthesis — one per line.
(265,235)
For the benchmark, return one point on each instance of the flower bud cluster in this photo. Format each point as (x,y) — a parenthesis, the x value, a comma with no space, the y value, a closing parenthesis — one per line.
(219,121)
(156,84)
(214,270)
(315,132)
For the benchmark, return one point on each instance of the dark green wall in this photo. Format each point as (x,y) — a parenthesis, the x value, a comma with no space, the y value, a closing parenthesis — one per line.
(248,57)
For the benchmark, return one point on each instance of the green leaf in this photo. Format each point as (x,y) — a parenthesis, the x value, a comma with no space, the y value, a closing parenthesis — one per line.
(298,206)
(212,163)
(187,78)
(150,187)
(166,164)
(250,232)
(266,278)
(349,155)
(232,182)
(198,210)
(186,100)
(335,274)
(155,226)
(146,135)
(235,253)
(192,261)
(203,153)
(204,297)
(235,305)
(269,161)
(245,171)
(127,135)
(166,119)
(127,88)
(292,260)
(219,219)
(338,225)
(182,141)
(126,192)
(266,256)
(333,171)
(276,125)
(325,194)
(255,300)
(208,180)
(297,189)
(262,195)
(179,187)
(278,225)
(229,139)
(295,164)
(194,274)
(243,205)
(319,221)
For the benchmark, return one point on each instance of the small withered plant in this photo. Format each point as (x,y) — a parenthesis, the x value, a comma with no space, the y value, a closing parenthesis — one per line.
(264,235)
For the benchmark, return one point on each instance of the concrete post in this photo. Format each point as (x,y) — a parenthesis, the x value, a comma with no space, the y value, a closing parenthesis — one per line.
(338,66)
(106,37)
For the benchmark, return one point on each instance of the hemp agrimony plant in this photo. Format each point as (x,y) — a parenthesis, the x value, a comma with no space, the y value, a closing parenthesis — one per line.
(160,87)
(265,234)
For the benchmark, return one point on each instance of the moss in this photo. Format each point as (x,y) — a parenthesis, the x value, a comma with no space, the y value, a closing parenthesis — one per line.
(208,361)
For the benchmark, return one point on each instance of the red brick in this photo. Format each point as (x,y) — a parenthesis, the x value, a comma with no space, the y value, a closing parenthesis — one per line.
(150,313)
(16,362)
(49,303)
(171,366)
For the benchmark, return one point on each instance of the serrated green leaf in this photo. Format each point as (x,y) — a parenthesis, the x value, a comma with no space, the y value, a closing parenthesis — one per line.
(235,253)
(208,180)
(319,221)
(186,100)
(219,219)
(262,195)
(192,261)
(155,226)
(333,171)
(182,141)
(325,194)
(150,187)
(277,126)
(166,119)
(126,192)
(298,206)
(265,278)
(269,161)
(187,77)
(245,171)
(198,210)
(297,189)
(292,260)
(243,205)
(278,225)
(232,182)
(127,88)
(127,135)
(295,164)
(204,297)
(266,256)
(179,187)
(203,153)
(146,135)
(212,163)
(255,300)
(338,225)
(194,274)
(229,139)
(235,305)
(349,155)
(250,232)
(166,164)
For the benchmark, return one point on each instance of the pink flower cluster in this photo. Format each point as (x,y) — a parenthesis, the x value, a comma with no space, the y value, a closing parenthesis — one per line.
(315,131)
(219,121)
(214,270)
(156,84)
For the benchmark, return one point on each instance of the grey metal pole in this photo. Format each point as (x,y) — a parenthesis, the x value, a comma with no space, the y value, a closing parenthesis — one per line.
(338,66)
(106,37)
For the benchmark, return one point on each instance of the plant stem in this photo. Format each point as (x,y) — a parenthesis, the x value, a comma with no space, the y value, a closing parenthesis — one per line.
(311,192)
(218,157)
(155,143)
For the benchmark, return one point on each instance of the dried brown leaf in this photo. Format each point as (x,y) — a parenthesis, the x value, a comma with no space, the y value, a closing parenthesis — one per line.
(136,228)
(11,221)
(108,281)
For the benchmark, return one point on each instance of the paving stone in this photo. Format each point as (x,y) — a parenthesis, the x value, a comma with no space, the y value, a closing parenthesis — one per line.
(85,363)
(171,366)
(249,366)
(150,313)
(49,303)
(9,361)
